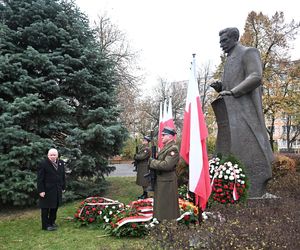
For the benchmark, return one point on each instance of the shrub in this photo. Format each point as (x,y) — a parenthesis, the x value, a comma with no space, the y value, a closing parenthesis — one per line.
(296,158)
(283,165)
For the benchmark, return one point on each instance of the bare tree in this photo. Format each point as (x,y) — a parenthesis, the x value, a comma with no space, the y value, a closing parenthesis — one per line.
(114,45)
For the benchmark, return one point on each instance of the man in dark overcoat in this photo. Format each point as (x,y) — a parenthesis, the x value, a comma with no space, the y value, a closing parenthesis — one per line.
(142,158)
(50,185)
(166,206)
(241,126)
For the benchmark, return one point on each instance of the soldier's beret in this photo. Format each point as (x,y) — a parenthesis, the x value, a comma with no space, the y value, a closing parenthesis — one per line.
(169,131)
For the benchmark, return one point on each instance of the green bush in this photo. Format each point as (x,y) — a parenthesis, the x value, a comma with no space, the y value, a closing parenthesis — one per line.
(18,188)
(129,148)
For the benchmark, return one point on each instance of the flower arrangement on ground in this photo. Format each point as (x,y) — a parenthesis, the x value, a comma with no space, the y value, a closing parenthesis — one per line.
(127,223)
(228,180)
(189,212)
(96,209)
(133,220)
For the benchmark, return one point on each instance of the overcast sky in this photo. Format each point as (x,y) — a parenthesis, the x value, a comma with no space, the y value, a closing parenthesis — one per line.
(167,32)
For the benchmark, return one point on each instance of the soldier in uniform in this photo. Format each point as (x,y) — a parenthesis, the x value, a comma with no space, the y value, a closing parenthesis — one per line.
(50,185)
(166,206)
(141,159)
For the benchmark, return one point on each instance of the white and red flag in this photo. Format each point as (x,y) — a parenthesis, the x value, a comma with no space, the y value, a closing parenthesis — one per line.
(160,128)
(193,143)
(168,120)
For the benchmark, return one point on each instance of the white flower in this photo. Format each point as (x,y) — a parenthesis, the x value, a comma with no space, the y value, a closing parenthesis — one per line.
(226,177)
(227,171)
(204,216)
(220,176)
(104,217)
(237,171)
(229,164)
(235,165)
(113,207)
(106,206)
(240,169)
(106,220)
(242,182)
(237,176)
(155,221)
(100,212)
(231,178)
(110,212)
(238,180)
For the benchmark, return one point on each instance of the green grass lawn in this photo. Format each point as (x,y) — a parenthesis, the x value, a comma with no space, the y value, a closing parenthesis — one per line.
(22,229)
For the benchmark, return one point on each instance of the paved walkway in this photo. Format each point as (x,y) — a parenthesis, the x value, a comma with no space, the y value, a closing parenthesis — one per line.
(123,169)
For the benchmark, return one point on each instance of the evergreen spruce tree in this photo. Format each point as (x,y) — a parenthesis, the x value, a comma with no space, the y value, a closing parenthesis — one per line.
(57,89)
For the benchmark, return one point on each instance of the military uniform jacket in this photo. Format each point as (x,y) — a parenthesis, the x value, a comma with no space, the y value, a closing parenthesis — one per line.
(166,188)
(142,158)
(52,182)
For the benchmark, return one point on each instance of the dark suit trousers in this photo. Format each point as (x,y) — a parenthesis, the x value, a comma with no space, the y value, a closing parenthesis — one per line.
(48,216)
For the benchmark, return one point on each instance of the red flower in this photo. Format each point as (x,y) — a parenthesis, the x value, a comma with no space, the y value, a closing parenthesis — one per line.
(87,212)
(186,217)
(91,219)
(94,209)
(113,225)
(133,225)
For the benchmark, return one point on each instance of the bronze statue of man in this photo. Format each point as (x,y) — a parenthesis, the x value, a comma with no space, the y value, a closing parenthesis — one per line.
(238,109)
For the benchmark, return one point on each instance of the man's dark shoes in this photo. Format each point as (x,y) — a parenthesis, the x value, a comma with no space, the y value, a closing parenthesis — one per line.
(50,228)
(55,225)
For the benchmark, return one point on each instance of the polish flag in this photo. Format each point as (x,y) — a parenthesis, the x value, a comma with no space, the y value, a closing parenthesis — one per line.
(193,145)
(168,120)
(160,128)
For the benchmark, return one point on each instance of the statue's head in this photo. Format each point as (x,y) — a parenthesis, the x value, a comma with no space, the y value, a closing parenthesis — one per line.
(229,37)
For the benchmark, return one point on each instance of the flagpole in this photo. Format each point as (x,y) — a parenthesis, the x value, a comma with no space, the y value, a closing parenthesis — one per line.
(193,144)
